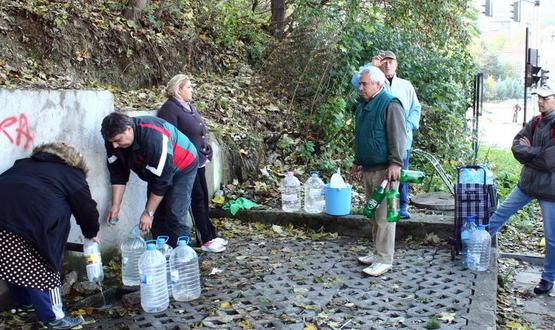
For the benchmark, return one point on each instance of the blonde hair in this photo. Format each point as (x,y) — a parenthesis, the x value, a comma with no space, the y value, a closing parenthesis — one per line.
(175,84)
(69,154)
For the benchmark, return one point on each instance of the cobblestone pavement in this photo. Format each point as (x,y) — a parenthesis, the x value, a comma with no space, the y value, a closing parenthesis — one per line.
(291,282)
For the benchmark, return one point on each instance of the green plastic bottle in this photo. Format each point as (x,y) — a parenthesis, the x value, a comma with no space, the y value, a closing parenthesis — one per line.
(393,201)
(375,200)
(409,176)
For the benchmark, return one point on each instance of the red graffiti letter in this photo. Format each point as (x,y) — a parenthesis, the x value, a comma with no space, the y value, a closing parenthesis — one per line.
(5,124)
(23,130)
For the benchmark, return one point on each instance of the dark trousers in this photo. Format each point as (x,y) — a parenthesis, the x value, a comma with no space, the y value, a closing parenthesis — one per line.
(42,301)
(199,206)
(170,217)
(404,187)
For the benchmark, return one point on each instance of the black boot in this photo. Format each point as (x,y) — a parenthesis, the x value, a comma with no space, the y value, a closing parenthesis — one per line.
(544,287)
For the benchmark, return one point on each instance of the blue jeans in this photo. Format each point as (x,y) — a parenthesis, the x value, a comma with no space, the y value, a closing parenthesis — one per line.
(514,202)
(404,187)
(170,217)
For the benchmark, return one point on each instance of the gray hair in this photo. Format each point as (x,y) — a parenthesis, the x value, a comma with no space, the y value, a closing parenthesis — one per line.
(376,75)
(175,84)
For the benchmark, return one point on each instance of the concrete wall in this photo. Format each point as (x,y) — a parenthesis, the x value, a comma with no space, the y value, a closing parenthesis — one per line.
(32,117)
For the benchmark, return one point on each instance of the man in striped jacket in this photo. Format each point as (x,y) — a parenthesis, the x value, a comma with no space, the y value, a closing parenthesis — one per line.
(160,155)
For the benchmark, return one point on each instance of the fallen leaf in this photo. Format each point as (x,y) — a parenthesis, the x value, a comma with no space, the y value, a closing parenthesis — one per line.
(446,317)
(278,229)
(215,271)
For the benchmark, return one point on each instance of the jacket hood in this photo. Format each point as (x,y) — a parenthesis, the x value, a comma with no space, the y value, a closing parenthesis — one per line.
(69,154)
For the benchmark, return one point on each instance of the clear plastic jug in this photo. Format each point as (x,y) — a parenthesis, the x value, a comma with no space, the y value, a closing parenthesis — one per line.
(131,250)
(291,193)
(479,248)
(314,198)
(154,282)
(166,250)
(185,273)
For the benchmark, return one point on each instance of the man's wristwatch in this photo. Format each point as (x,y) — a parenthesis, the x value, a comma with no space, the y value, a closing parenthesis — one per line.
(149,213)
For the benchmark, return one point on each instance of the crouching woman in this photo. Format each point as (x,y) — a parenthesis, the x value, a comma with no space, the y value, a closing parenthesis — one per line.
(38,195)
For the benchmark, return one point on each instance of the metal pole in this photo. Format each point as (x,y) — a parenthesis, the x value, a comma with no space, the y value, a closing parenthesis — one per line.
(526,60)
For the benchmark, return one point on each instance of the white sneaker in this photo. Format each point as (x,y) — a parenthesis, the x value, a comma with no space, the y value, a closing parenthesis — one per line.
(377,269)
(367,260)
(212,246)
(221,241)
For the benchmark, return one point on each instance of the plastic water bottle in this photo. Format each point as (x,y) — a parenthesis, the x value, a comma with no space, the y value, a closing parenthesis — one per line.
(375,200)
(337,181)
(166,250)
(154,282)
(410,176)
(314,200)
(393,203)
(479,249)
(291,193)
(91,250)
(185,274)
(131,250)
(466,231)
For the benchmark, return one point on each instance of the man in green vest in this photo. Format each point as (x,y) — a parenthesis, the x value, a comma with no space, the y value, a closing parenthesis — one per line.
(380,138)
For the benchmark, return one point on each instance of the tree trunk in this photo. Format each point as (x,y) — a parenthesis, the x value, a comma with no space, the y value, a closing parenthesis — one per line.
(277,21)
(134,9)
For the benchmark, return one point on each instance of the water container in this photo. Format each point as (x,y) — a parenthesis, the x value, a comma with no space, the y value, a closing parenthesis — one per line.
(166,250)
(479,249)
(185,274)
(392,197)
(154,282)
(91,250)
(314,200)
(131,250)
(476,175)
(337,181)
(466,231)
(291,193)
(338,200)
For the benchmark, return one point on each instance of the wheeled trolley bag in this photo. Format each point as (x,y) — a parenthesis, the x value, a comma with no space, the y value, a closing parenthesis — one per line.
(476,199)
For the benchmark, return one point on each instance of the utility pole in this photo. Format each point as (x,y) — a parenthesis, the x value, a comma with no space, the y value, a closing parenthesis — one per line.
(525,76)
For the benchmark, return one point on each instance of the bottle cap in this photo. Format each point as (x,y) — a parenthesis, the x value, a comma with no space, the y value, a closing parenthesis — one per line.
(113,221)
(183,240)
(162,239)
(150,246)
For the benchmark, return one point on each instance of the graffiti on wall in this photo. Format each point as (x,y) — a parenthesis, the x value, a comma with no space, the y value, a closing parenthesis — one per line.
(16,130)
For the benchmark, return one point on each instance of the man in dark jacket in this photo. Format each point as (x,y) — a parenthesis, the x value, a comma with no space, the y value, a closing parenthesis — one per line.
(160,155)
(380,138)
(534,148)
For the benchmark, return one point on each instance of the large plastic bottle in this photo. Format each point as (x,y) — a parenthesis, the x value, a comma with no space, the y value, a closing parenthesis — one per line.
(91,250)
(479,248)
(131,250)
(314,200)
(375,200)
(291,193)
(410,176)
(185,274)
(154,282)
(166,250)
(393,203)
(337,181)
(466,231)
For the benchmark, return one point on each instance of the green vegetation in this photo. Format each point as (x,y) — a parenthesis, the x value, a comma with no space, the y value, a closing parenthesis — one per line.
(285,94)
